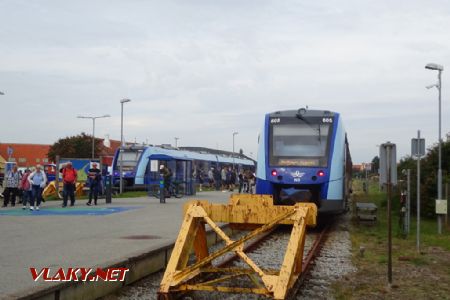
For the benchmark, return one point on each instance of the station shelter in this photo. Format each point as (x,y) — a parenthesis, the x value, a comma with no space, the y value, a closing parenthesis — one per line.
(180,166)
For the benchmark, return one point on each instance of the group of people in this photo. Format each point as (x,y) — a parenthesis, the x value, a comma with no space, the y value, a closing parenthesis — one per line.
(226,178)
(29,186)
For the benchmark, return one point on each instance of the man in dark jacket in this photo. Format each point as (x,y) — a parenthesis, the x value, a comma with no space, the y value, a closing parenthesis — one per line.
(94,180)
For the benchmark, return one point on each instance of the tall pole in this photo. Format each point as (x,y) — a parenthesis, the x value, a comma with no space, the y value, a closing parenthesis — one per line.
(439,68)
(121,145)
(388,168)
(439,219)
(121,149)
(234,133)
(93,138)
(408,200)
(93,130)
(418,196)
(233,151)
(367,180)
(176,142)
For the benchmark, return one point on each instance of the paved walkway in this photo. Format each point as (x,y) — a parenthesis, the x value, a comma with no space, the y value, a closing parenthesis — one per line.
(83,236)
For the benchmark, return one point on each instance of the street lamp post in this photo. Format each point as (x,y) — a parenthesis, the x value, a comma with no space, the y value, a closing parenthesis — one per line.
(176,141)
(121,144)
(234,134)
(438,68)
(93,129)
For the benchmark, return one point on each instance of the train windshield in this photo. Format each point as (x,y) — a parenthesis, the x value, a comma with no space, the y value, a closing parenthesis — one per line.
(302,145)
(130,159)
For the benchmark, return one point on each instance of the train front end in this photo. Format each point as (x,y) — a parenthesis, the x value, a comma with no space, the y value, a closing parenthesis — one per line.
(302,157)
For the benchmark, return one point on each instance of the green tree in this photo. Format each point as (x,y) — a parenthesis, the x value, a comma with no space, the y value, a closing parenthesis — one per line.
(428,177)
(78,146)
(375,164)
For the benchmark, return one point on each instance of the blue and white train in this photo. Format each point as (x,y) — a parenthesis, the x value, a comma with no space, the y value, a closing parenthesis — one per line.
(137,171)
(303,156)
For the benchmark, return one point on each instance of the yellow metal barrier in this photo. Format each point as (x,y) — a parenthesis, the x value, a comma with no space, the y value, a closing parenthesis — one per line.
(243,209)
(50,190)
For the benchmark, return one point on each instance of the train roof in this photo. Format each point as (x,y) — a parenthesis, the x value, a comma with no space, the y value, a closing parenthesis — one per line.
(304,112)
(190,155)
(214,151)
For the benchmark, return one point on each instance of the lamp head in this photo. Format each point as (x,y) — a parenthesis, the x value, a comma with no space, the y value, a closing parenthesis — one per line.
(433,66)
(125,100)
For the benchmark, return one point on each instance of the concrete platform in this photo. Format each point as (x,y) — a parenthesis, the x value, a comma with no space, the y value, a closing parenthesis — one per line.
(83,236)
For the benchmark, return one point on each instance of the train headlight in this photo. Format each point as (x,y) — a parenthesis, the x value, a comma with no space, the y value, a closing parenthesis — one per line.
(274,173)
(321,173)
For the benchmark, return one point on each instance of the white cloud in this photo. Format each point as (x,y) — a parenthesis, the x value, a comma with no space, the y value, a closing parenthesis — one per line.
(200,70)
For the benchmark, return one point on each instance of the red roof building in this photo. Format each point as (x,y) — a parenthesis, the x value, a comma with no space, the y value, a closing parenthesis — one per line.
(25,155)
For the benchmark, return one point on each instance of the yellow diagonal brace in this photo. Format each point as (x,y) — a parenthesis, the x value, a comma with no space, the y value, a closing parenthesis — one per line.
(238,270)
(225,289)
(221,279)
(238,251)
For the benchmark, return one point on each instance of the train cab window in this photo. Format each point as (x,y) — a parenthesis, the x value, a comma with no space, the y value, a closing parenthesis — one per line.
(130,159)
(299,145)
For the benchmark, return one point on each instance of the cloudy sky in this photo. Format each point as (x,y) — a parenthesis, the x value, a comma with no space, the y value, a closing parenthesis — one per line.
(200,70)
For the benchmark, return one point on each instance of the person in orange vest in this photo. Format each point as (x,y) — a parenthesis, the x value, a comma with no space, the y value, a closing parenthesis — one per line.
(69,176)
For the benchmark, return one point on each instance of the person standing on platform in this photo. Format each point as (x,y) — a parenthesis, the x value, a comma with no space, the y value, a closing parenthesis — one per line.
(164,171)
(25,186)
(200,179)
(38,180)
(94,180)
(241,180)
(211,177)
(223,177)
(69,176)
(11,185)
(217,178)
(232,180)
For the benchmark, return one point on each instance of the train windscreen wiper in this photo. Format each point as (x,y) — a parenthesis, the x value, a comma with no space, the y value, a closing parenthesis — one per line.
(300,117)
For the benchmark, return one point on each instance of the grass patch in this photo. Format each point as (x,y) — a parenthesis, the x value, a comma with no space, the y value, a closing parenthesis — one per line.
(419,261)
(132,194)
(416,275)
